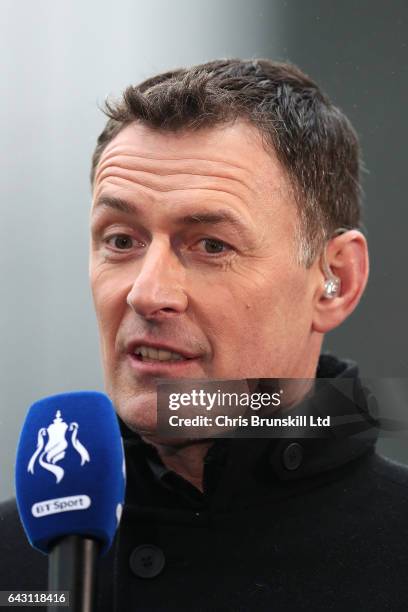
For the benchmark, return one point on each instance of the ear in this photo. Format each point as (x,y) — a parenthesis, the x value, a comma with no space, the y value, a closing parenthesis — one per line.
(347,258)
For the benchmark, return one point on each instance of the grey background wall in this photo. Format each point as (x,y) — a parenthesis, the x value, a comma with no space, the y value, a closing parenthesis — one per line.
(60,60)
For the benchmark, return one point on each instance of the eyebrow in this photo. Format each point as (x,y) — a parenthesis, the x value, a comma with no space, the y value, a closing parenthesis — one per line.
(215,217)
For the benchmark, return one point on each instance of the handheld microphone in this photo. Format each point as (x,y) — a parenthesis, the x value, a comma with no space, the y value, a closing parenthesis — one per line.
(70,487)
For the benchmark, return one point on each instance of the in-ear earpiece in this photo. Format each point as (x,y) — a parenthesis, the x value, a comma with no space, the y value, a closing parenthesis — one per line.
(332,287)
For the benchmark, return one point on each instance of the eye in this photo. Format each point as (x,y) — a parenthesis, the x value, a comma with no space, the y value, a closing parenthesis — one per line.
(214,246)
(121,242)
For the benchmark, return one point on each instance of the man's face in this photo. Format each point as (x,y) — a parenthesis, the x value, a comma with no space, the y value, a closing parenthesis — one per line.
(193,252)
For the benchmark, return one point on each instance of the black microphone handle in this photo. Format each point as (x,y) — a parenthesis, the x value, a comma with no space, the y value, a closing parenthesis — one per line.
(72,567)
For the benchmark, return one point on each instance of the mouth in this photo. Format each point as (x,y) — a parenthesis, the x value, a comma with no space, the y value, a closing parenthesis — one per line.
(162,360)
(150,354)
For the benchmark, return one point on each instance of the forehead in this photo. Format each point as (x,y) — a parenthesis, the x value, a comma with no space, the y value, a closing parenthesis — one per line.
(231,151)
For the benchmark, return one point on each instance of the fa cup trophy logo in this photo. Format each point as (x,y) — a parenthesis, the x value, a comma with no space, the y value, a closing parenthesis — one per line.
(56,446)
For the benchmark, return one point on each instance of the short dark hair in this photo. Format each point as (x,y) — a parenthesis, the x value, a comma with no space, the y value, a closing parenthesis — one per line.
(312,139)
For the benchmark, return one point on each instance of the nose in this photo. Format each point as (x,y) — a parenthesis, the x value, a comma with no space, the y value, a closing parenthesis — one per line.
(157,291)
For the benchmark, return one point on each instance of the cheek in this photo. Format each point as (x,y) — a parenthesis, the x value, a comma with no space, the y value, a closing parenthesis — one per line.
(285,317)
(228,314)
(109,295)
(275,309)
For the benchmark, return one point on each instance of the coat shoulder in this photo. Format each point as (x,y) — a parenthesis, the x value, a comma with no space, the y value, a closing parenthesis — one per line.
(378,500)
(391,473)
(21,567)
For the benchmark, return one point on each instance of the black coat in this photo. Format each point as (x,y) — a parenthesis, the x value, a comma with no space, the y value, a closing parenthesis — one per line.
(283,524)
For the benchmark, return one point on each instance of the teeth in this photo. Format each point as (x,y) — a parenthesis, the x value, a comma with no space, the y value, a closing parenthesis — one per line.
(152,354)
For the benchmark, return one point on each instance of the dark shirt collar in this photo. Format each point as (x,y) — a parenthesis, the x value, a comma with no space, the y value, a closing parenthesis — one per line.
(240,469)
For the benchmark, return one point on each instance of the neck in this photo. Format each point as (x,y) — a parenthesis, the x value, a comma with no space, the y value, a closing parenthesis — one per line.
(186,459)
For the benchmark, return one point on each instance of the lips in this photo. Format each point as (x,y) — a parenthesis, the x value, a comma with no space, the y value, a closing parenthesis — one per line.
(154,352)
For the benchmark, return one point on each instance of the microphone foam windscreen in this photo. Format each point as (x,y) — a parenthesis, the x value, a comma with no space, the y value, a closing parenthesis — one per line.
(70,470)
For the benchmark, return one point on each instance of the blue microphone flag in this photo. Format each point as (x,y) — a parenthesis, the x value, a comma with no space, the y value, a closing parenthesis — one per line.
(70,470)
